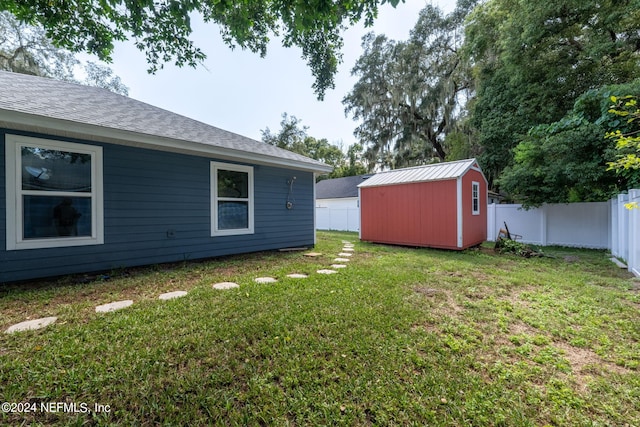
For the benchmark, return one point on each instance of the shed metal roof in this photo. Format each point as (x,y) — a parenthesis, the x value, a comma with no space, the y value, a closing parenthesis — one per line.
(433,172)
(54,107)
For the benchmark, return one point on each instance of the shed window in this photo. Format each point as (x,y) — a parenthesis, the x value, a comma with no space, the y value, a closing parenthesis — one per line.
(54,193)
(475,198)
(232,199)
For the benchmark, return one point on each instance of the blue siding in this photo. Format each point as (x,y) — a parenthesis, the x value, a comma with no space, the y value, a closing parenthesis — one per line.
(157,209)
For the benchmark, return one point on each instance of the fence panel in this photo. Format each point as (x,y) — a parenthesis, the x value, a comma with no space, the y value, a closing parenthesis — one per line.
(520,221)
(600,225)
(584,225)
(576,224)
(340,219)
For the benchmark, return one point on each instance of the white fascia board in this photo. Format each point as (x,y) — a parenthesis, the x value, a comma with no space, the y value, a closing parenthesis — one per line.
(481,173)
(65,128)
(459,210)
(359,215)
(315,224)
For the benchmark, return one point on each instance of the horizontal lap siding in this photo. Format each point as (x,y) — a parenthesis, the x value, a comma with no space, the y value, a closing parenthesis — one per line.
(157,209)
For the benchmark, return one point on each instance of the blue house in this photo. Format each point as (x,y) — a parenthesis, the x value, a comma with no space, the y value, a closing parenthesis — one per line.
(93,180)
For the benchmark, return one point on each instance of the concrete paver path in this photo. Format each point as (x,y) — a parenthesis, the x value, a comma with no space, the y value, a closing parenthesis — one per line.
(31,325)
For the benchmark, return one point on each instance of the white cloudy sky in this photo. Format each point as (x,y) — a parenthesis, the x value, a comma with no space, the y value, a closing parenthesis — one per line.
(243,93)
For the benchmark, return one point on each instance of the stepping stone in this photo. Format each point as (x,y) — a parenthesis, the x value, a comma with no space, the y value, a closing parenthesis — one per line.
(113,306)
(31,325)
(346,242)
(327,271)
(345,254)
(313,254)
(172,295)
(297,276)
(225,285)
(338,266)
(265,280)
(348,246)
(342,259)
(347,249)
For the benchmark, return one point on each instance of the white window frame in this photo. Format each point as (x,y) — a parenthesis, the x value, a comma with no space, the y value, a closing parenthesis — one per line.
(475,198)
(15,193)
(215,167)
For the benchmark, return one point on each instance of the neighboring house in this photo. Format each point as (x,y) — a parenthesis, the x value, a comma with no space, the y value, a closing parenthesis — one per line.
(494,197)
(94,181)
(337,206)
(442,205)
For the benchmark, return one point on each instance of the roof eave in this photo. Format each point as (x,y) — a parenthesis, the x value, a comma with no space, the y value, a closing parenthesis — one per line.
(449,178)
(34,123)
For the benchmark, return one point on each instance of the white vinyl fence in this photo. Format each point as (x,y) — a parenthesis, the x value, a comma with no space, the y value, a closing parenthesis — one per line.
(625,230)
(338,214)
(600,225)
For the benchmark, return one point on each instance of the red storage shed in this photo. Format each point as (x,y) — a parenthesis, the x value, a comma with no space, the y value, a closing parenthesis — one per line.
(442,205)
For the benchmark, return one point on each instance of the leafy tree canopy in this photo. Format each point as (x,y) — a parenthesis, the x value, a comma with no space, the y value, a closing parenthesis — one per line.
(162,29)
(626,112)
(532,60)
(293,136)
(409,93)
(26,49)
(566,161)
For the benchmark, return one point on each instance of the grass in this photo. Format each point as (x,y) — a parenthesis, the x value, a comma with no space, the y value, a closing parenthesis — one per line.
(400,337)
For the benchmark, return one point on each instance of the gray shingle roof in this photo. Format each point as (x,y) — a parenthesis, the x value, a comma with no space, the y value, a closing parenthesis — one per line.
(339,188)
(51,106)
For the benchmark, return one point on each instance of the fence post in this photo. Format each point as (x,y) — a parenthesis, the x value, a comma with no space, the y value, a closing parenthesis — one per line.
(491,222)
(633,261)
(543,225)
(612,226)
(623,227)
(615,227)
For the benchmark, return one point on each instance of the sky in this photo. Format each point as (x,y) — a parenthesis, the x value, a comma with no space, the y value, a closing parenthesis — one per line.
(241,92)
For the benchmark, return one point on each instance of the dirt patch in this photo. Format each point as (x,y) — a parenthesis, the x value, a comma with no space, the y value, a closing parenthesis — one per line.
(452,304)
(423,290)
(586,364)
(427,327)
(515,297)
(584,361)
(521,328)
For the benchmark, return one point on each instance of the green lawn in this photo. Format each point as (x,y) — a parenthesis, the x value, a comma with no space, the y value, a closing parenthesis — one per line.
(400,337)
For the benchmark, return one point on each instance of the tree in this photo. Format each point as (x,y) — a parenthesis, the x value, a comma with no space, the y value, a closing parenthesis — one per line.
(566,161)
(532,60)
(408,95)
(26,49)
(102,76)
(627,140)
(162,29)
(293,137)
(353,165)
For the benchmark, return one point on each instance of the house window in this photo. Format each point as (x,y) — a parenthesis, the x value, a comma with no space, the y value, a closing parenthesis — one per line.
(475,198)
(231,199)
(54,193)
